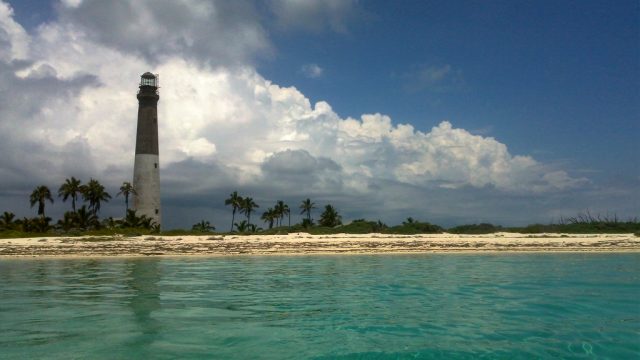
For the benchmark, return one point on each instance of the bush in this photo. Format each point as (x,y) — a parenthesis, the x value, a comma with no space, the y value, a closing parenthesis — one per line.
(483,228)
(415,227)
(359,227)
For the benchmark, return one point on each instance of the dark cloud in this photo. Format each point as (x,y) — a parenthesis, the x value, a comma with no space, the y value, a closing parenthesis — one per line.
(213,32)
(189,180)
(291,169)
(27,156)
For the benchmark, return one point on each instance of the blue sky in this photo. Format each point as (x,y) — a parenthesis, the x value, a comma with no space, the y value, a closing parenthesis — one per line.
(560,79)
(550,88)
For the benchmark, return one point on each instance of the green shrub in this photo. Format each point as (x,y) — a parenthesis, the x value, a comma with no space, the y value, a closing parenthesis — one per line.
(412,228)
(15,234)
(483,228)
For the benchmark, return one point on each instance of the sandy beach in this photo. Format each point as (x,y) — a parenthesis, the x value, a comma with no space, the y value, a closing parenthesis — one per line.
(303,243)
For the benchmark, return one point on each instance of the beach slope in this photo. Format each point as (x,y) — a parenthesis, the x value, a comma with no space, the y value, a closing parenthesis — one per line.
(303,243)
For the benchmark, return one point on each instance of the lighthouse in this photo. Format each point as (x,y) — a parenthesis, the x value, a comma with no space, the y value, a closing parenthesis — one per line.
(146,168)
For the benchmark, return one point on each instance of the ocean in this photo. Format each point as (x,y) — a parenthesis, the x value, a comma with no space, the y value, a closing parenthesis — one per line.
(429,306)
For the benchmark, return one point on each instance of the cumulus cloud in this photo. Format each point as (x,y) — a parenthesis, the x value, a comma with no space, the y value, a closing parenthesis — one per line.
(13,39)
(68,108)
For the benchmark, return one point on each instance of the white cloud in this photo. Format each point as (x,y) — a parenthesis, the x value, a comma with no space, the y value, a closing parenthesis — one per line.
(13,39)
(220,126)
(312,71)
(71,3)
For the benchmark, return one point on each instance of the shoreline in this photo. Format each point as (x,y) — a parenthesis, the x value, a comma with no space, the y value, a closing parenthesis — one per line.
(300,244)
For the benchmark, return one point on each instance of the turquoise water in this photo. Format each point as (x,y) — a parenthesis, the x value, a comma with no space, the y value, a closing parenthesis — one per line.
(582,306)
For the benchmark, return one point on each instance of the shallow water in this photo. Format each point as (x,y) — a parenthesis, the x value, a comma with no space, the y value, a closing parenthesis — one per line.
(323,307)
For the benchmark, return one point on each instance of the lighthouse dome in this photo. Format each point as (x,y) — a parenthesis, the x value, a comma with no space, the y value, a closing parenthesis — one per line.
(149,79)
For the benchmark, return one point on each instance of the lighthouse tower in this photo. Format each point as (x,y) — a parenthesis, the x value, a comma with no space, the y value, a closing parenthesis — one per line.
(146,169)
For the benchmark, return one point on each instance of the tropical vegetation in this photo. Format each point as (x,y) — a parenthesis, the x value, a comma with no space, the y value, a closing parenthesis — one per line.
(94,193)
(79,220)
(235,201)
(330,217)
(86,200)
(305,208)
(70,189)
(126,190)
(203,226)
(39,196)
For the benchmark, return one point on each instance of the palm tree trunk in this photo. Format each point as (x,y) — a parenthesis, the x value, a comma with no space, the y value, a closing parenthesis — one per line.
(289,219)
(233,215)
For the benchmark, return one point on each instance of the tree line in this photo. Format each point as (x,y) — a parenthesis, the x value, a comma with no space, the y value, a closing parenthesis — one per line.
(86,201)
(275,215)
(92,195)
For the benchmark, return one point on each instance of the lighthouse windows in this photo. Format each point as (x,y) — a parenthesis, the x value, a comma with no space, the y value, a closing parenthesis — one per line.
(149,80)
(155,165)
(157,211)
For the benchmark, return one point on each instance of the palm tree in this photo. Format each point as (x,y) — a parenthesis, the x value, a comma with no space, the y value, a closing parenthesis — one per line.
(306,207)
(6,220)
(277,211)
(330,217)
(86,219)
(379,226)
(68,221)
(39,195)
(131,220)
(281,210)
(125,190)
(409,221)
(286,211)
(235,201)
(94,193)
(203,226)
(242,226)
(70,189)
(269,216)
(41,224)
(248,205)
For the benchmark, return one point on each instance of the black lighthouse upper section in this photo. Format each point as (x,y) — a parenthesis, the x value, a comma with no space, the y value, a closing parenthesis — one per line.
(147,133)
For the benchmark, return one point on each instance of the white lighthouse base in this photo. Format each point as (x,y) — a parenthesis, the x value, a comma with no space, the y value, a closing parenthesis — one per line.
(146,182)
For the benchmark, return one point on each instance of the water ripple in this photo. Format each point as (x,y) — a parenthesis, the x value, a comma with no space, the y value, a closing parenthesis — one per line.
(338,307)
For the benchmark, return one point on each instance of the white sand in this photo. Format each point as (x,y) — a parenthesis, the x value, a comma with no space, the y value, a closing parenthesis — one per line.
(303,243)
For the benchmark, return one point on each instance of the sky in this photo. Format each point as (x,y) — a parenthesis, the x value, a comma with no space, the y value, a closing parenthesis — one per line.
(509,112)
